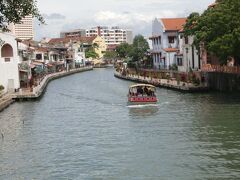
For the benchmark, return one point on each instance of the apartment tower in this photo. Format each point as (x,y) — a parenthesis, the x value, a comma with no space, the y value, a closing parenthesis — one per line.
(112,36)
(23,30)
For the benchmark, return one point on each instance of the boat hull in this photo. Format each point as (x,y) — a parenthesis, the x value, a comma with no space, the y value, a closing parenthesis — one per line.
(142,100)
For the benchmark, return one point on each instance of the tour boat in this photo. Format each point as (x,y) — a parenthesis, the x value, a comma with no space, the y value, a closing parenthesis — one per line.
(142,94)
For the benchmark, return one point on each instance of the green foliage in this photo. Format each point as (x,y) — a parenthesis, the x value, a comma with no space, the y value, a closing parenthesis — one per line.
(124,50)
(1,87)
(90,53)
(174,67)
(110,55)
(12,11)
(140,48)
(137,51)
(218,28)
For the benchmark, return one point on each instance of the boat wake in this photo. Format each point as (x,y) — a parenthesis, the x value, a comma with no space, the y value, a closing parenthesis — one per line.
(142,105)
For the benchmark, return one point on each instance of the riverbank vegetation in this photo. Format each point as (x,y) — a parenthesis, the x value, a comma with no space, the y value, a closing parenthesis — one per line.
(135,54)
(217,29)
(15,11)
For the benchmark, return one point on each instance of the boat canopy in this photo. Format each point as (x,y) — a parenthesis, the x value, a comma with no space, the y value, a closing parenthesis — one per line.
(142,85)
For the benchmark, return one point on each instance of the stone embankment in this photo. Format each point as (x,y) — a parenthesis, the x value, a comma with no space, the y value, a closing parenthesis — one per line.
(5,101)
(170,84)
(37,91)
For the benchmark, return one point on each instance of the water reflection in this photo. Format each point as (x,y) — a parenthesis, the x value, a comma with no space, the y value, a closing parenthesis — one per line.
(83,129)
(143,110)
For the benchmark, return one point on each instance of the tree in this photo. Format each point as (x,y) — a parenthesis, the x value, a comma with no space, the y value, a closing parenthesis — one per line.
(140,48)
(90,53)
(124,50)
(13,11)
(110,55)
(218,28)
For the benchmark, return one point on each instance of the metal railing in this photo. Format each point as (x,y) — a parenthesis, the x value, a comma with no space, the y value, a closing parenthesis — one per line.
(218,68)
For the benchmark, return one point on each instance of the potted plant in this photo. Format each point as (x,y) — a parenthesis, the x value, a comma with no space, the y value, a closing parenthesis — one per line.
(168,77)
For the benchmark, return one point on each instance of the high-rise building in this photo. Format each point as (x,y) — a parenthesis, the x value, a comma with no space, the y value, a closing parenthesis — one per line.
(23,30)
(112,36)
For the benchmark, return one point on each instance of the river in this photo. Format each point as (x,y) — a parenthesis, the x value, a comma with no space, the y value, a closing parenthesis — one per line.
(82,128)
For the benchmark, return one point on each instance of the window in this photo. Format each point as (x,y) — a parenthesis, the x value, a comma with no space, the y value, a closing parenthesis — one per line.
(7,59)
(38,56)
(7,50)
(179,62)
(159,39)
(171,39)
(186,39)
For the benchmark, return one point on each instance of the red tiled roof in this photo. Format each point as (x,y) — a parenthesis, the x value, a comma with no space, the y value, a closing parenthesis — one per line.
(30,43)
(68,39)
(173,24)
(41,49)
(112,47)
(170,49)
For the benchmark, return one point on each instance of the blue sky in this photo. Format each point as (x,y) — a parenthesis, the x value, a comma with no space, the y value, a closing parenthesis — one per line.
(137,15)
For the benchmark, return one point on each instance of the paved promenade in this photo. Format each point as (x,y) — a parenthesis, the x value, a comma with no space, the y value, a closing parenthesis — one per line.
(171,84)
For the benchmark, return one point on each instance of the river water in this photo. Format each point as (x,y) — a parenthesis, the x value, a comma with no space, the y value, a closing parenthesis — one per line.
(82,128)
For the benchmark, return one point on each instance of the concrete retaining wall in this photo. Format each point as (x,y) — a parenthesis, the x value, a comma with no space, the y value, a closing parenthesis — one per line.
(224,82)
(4,103)
(170,84)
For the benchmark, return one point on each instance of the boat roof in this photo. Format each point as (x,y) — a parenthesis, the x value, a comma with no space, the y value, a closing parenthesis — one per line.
(141,85)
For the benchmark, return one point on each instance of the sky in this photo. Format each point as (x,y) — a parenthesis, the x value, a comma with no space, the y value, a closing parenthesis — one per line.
(63,15)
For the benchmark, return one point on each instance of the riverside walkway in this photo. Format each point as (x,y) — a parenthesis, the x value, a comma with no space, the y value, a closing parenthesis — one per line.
(170,84)
(37,91)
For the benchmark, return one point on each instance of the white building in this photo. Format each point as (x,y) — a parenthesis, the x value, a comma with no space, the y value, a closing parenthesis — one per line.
(188,56)
(23,30)
(112,36)
(165,41)
(9,60)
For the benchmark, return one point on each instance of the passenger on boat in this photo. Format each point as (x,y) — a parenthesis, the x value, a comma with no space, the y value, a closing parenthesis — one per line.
(146,91)
(139,91)
(134,91)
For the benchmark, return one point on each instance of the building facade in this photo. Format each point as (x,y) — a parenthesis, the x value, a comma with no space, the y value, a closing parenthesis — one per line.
(78,45)
(189,56)
(165,41)
(9,60)
(112,36)
(23,30)
(73,33)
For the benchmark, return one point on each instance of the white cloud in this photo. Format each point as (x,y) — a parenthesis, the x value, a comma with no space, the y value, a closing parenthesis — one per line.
(134,14)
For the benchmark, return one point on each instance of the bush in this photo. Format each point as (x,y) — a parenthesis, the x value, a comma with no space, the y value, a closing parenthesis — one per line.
(1,87)
(174,67)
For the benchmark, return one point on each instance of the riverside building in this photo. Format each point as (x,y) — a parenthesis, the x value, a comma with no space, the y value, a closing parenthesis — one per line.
(165,41)
(9,60)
